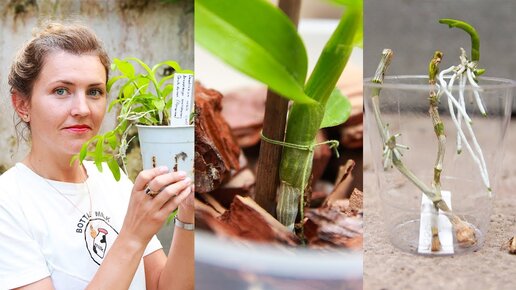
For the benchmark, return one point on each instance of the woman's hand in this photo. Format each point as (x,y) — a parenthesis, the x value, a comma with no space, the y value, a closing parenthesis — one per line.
(146,214)
(186,207)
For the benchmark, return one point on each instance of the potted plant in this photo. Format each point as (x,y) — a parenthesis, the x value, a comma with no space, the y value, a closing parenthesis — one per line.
(158,101)
(259,40)
(449,214)
(276,56)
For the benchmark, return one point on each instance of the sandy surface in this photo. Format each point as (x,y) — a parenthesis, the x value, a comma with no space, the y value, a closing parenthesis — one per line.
(491,267)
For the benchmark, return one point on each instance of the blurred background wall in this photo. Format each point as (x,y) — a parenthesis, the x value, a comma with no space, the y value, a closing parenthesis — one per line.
(411,29)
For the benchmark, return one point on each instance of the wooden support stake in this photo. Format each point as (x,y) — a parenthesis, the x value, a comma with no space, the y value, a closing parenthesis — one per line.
(276,107)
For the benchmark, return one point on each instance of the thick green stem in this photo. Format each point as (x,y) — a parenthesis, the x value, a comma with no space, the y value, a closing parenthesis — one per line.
(475,39)
(304,120)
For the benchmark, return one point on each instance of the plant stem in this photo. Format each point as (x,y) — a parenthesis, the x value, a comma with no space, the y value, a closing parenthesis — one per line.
(304,120)
(438,124)
(379,75)
(475,40)
(276,107)
(464,233)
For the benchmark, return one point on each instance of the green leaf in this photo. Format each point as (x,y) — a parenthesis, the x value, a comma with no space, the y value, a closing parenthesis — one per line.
(115,169)
(334,56)
(358,40)
(159,104)
(170,63)
(144,65)
(171,216)
(111,139)
(166,90)
(99,152)
(112,81)
(168,104)
(84,149)
(128,90)
(125,67)
(74,158)
(267,48)
(356,3)
(337,111)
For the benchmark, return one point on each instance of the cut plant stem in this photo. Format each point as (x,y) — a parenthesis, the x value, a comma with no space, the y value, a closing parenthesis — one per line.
(434,99)
(304,120)
(464,232)
(276,107)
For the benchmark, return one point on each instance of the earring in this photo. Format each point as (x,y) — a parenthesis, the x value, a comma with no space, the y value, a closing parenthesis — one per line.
(26,118)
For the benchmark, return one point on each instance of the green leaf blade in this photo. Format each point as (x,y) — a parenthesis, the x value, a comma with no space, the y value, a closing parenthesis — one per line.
(125,67)
(276,58)
(99,152)
(112,81)
(337,110)
(114,168)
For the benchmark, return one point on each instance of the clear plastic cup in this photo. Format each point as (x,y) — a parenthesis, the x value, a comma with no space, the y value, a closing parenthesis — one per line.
(404,107)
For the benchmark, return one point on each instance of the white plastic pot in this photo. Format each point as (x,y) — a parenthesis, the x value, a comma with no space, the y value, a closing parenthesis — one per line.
(169,146)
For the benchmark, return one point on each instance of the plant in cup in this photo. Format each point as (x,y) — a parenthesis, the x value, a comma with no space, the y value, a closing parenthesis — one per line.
(269,49)
(441,84)
(144,98)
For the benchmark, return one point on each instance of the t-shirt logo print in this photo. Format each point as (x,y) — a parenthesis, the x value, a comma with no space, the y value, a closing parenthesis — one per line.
(100,242)
(100,238)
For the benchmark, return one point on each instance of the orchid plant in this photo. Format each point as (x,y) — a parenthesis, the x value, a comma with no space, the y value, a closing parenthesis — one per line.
(464,73)
(142,98)
(269,49)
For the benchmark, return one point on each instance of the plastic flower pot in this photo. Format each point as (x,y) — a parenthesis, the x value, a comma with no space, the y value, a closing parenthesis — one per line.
(404,106)
(169,146)
(226,264)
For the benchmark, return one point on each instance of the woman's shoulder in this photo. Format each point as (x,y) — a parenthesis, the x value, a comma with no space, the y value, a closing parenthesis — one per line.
(10,192)
(9,179)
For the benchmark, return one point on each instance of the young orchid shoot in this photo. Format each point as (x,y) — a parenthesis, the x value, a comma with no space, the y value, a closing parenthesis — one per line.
(466,73)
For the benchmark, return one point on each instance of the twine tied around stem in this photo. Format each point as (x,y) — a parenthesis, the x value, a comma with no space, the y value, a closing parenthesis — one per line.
(334,144)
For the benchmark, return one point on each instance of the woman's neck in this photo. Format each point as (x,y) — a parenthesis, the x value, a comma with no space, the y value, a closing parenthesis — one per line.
(51,167)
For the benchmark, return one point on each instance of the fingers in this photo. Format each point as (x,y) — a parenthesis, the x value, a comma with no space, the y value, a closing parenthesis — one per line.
(147,175)
(174,202)
(161,181)
(171,188)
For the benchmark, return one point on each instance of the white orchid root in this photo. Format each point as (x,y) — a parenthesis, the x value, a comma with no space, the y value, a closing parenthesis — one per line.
(465,73)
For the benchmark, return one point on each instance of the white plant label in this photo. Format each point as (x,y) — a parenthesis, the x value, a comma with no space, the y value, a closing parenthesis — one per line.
(181,100)
(425,227)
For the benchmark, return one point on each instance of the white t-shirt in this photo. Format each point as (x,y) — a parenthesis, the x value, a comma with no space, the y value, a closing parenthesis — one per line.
(43,234)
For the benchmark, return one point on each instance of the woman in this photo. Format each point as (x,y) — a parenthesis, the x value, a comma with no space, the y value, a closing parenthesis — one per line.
(68,226)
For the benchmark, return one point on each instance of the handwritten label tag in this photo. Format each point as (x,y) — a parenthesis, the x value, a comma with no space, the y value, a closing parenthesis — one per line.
(181,99)
(428,212)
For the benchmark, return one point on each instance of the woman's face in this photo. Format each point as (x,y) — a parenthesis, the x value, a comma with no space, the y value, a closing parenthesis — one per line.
(68,102)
